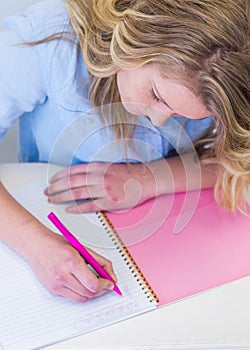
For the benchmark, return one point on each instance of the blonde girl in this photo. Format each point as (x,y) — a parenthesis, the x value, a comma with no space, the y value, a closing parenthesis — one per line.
(164,74)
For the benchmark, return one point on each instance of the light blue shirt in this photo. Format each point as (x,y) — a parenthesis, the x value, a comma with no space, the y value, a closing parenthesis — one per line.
(44,87)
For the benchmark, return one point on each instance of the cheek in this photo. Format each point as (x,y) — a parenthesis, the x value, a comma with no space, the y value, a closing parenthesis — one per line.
(127,87)
(121,82)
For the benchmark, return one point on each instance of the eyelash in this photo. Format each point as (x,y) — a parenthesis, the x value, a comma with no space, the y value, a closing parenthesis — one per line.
(153,95)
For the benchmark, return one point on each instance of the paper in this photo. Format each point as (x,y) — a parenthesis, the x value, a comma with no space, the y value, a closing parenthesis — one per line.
(30,316)
(211,250)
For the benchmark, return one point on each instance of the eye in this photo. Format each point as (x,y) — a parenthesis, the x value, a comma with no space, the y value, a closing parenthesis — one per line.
(154,96)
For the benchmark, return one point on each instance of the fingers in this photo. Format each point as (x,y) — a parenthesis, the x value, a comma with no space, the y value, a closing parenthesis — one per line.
(69,182)
(98,204)
(105,263)
(81,193)
(83,284)
(63,271)
(66,183)
(68,293)
(76,187)
(79,169)
(88,279)
(82,295)
(87,207)
(77,282)
(76,169)
(104,186)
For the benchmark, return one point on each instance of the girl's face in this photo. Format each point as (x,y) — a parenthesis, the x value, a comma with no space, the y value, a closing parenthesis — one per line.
(144,92)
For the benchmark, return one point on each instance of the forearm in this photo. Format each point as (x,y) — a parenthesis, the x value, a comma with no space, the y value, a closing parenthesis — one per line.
(19,229)
(185,173)
(115,186)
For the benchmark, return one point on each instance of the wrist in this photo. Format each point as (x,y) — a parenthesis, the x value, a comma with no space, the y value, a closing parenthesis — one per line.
(160,178)
(28,238)
(154,178)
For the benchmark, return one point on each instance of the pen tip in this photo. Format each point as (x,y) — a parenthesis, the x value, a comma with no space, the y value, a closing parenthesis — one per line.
(117,290)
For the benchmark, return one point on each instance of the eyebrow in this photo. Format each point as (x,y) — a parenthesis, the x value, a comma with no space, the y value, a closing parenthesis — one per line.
(157,92)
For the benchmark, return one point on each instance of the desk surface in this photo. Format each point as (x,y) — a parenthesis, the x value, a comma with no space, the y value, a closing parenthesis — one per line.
(216,319)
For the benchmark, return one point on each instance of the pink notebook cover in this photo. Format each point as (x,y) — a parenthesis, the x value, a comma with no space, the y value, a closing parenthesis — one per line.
(185,244)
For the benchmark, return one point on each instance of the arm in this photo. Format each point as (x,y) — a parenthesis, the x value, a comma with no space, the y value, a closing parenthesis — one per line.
(119,186)
(56,264)
(187,174)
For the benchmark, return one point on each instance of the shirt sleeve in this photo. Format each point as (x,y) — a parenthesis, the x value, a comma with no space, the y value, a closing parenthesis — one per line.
(179,134)
(22,85)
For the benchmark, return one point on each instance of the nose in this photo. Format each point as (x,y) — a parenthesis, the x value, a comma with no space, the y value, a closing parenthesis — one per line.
(158,118)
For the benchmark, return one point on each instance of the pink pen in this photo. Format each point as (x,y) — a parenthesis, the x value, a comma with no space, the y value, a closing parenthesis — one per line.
(83,251)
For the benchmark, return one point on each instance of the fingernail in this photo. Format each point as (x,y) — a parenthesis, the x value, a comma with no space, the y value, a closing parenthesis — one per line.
(113,278)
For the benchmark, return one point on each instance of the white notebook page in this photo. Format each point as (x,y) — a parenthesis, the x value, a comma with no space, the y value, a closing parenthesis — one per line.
(30,316)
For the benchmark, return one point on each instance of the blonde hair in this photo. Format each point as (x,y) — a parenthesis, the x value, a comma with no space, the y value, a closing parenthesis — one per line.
(205,44)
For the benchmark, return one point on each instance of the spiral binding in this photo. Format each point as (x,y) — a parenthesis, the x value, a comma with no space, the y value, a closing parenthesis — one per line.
(132,265)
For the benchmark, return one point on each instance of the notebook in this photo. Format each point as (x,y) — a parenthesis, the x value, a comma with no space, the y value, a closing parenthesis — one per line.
(162,251)
(198,247)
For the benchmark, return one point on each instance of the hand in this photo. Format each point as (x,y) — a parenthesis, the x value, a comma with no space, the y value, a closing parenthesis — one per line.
(104,186)
(62,270)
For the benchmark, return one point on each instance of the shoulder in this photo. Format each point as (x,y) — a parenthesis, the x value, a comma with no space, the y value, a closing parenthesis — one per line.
(51,9)
(59,61)
(39,21)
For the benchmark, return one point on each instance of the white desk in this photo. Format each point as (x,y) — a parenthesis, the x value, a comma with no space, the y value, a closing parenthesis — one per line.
(216,319)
